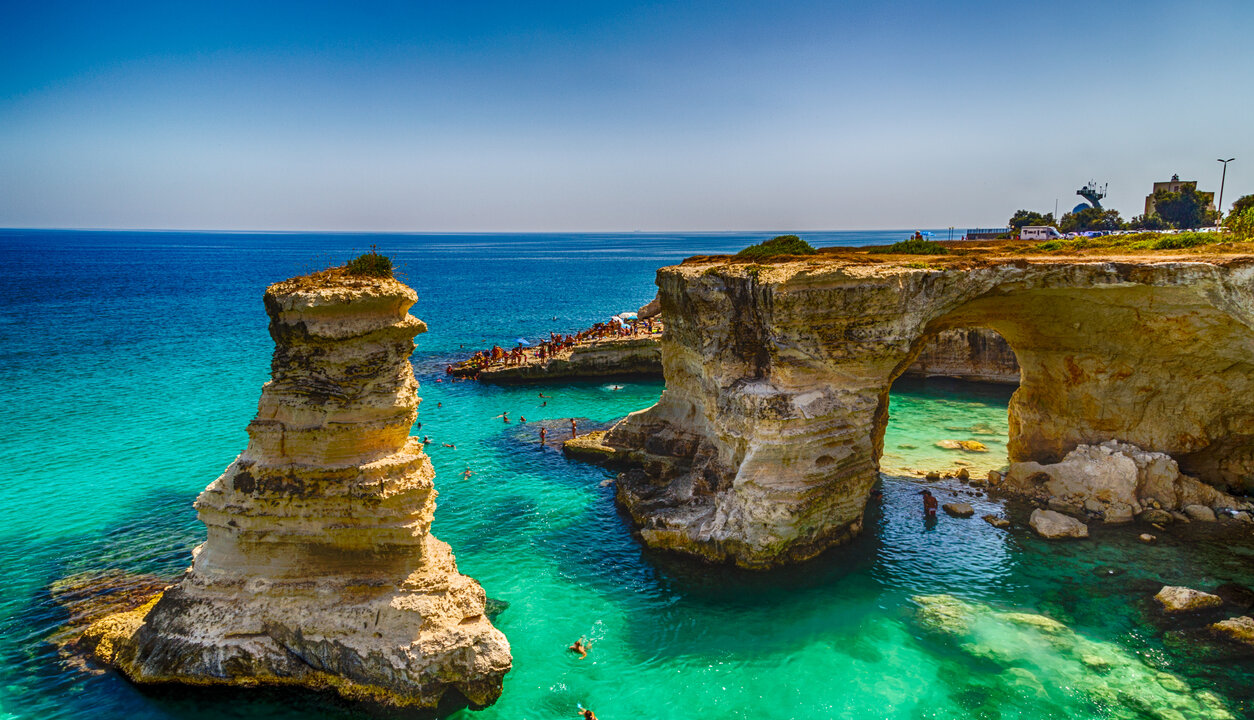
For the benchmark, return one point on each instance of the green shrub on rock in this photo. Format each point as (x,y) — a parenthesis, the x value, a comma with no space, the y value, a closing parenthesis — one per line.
(913,246)
(372,264)
(776,247)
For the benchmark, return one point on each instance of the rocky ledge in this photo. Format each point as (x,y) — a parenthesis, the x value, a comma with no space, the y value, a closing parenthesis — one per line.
(765,443)
(319,569)
(608,357)
(1116,482)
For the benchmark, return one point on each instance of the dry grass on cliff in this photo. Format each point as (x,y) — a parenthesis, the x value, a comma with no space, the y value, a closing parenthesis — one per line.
(329,278)
(975,253)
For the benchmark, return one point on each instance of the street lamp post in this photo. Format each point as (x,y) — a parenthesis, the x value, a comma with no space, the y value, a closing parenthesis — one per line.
(1222,180)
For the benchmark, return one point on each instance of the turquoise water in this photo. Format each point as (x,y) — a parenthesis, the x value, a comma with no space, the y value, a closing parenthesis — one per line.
(132,362)
(926,415)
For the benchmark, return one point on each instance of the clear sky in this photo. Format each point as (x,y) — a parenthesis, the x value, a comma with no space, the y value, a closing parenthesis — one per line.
(589,115)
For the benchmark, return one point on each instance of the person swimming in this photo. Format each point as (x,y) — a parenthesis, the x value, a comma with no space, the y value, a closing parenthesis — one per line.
(449,445)
(580,647)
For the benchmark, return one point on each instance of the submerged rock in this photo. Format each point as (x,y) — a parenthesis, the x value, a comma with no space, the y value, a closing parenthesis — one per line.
(967,445)
(1055,525)
(1177,599)
(959,510)
(319,569)
(997,522)
(1237,629)
(1037,658)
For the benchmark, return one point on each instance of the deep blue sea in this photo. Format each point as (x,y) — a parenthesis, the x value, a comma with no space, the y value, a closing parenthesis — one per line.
(130,363)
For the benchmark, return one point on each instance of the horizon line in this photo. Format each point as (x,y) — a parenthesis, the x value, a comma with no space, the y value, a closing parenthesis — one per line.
(466,232)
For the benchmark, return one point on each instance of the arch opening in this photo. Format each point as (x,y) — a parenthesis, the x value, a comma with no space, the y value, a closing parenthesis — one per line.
(948,410)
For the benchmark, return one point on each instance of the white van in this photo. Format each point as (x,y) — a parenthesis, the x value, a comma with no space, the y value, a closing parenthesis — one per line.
(1038,232)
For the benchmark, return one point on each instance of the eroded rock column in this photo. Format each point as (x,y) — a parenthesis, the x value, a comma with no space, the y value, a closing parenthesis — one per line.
(319,568)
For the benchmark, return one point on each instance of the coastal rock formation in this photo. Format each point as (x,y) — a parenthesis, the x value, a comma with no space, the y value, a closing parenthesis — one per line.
(765,443)
(972,354)
(319,569)
(609,357)
(1116,480)
(1176,599)
(1054,525)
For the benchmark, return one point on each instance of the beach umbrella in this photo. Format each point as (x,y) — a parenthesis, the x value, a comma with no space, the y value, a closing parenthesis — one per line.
(616,319)
(627,316)
(520,341)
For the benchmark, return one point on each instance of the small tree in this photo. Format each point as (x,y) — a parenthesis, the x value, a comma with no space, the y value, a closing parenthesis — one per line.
(372,264)
(1147,222)
(1022,218)
(1240,206)
(1184,209)
(1242,224)
(1090,219)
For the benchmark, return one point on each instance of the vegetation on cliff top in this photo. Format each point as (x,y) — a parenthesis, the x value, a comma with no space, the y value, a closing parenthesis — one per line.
(779,246)
(371,264)
(1136,241)
(913,246)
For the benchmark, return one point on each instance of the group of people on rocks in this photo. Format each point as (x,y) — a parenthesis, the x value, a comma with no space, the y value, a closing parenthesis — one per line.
(558,343)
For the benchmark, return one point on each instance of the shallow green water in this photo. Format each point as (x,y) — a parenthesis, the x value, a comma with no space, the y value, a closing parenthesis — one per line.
(923,414)
(126,392)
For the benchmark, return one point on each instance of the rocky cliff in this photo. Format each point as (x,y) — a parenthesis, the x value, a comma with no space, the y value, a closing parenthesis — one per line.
(319,568)
(610,357)
(765,442)
(973,354)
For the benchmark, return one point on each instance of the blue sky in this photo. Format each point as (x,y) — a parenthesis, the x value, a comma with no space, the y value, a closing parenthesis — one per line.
(486,116)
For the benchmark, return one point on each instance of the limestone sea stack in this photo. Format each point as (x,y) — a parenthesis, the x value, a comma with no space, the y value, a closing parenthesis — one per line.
(319,568)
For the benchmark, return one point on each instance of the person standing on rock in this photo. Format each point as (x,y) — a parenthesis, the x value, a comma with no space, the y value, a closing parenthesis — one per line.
(543,435)
(574,429)
(929,504)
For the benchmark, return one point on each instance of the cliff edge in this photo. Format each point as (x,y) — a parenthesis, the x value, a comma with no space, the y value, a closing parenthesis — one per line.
(319,569)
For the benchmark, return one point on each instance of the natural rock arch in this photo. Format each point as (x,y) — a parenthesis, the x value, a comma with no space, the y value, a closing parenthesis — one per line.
(765,442)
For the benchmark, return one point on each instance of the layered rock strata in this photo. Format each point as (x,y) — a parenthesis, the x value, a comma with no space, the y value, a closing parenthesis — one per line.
(971,354)
(611,357)
(1115,481)
(319,568)
(765,443)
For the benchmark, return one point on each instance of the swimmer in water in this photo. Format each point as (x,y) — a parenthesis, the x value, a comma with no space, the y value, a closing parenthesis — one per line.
(580,647)
(449,445)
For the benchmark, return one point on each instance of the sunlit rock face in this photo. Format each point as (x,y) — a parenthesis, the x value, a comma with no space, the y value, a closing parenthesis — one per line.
(1114,480)
(319,569)
(765,443)
(973,354)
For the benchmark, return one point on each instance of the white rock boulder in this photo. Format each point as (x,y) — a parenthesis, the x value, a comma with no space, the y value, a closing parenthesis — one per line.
(1177,599)
(1054,525)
